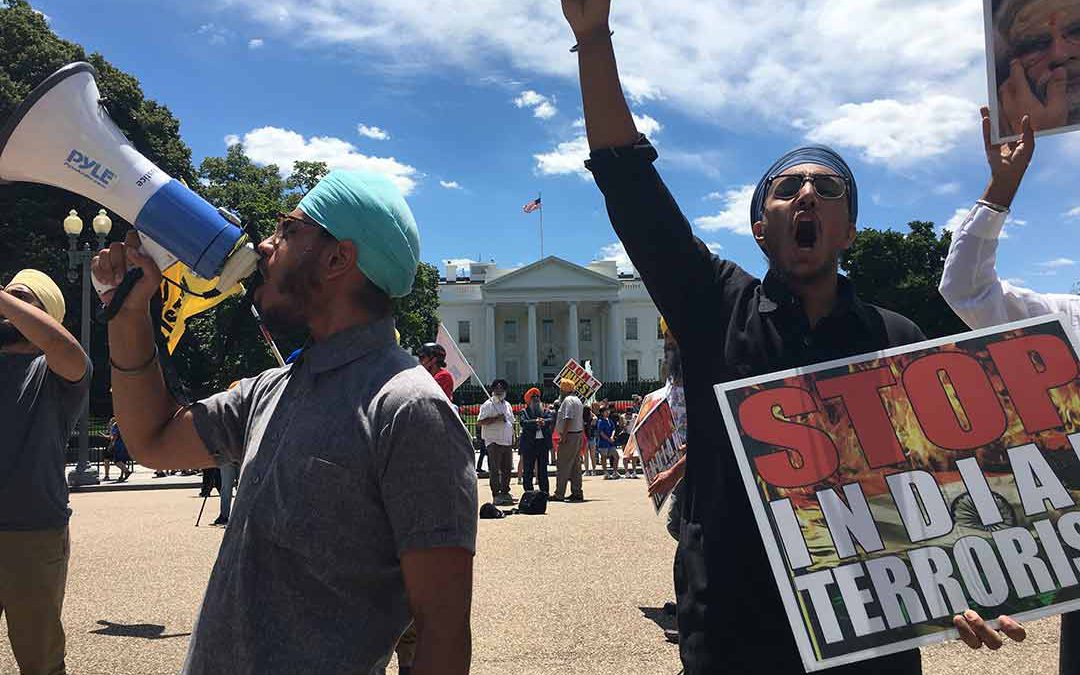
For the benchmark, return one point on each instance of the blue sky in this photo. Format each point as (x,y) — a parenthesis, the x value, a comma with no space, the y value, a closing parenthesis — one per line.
(473,108)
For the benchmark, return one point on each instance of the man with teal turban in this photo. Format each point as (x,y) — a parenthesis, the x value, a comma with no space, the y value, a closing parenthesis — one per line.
(730,325)
(359,504)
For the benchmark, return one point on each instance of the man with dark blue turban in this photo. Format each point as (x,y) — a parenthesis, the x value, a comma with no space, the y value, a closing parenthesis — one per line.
(358,493)
(730,325)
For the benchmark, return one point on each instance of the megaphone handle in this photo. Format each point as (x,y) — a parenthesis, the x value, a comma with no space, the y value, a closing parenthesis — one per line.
(131,277)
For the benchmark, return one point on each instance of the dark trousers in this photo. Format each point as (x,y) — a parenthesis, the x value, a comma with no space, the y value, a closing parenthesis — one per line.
(1069,644)
(480,458)
(536,461)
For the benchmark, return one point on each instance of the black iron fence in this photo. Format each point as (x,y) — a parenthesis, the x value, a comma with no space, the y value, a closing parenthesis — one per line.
(472,394)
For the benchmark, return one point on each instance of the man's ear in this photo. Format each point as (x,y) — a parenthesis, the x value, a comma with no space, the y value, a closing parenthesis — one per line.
(342,259)
(758,228)
(849,239)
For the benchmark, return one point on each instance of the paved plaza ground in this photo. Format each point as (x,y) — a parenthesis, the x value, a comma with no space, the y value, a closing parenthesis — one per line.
(576,591)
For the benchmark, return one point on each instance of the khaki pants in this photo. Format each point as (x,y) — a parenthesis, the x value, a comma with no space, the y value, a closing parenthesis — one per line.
(500,465)
(569,464)
(33,575)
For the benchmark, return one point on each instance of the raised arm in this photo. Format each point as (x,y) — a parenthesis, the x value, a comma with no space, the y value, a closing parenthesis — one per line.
(646,218)
(159,433)
(969,281)
(63,355)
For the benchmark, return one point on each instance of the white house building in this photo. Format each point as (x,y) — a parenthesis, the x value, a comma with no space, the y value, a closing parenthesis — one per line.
(523,324)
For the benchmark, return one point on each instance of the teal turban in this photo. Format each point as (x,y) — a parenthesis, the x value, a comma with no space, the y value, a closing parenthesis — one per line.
(368,210)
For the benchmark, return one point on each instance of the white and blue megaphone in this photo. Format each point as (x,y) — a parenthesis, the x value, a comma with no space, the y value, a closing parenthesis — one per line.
(62,135)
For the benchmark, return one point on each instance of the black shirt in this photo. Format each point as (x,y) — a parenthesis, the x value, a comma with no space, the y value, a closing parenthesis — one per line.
(729,325)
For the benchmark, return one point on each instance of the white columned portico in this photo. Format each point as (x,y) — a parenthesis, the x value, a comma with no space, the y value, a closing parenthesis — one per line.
(615,341)
(532,375)
(573,349)
(489,342)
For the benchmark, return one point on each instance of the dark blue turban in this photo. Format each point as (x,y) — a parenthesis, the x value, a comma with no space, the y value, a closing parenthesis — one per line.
(808,154)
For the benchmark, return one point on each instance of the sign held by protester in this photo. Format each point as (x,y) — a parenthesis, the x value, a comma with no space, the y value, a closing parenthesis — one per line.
(895,490)
(456,363)
(655,439)
(585,383)
(1033,65)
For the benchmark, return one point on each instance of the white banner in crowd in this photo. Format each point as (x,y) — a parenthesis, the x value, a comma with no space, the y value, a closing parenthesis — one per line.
(456,362)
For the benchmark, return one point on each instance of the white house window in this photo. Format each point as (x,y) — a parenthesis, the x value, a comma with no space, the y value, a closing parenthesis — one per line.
(585,330)
(547,330)
(631,328)
(631,370)
(660,369)
(463,332)
(510,331)
(511,371)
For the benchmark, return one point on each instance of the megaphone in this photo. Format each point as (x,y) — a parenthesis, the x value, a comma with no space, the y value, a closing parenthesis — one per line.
(61,135)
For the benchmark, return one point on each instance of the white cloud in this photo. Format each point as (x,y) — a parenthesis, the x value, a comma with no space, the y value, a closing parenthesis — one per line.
(947,188)
(43,15)
(216,35)
(714,246)
(735,214)
(543,107)
(617,252)
(729,62)
(569,157)
(1073,213)
(1015,281)
(450,184)
(255,43)
(899,134)
(274,145)
(1057,262)
(372,132)
(957,218)
(713,196)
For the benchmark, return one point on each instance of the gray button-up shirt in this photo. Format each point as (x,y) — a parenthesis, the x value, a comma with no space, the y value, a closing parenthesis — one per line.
(351,456)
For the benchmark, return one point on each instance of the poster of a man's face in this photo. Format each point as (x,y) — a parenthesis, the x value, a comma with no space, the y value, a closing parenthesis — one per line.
(1033,59)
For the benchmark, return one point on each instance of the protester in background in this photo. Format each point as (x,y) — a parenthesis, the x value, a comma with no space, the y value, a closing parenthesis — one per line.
(432,357)
(803,216)
(971,286)
(496,421)
(117,453)
(44,385)
(605,445)
(358,506)
(536,429)
(569,427)
(631,462)
(480,448)
(592,462)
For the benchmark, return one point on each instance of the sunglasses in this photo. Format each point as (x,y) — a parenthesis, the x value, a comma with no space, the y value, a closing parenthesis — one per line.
(787,185)
(288,225)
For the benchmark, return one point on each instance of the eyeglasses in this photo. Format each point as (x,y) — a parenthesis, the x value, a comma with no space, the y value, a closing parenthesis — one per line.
(1032,49)
(287,225)
(827,186)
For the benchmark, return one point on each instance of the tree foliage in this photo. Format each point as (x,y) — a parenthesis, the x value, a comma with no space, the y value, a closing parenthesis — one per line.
(901,272)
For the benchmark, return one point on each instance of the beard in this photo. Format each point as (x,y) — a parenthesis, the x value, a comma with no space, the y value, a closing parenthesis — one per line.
(9,334)
(1072,91)
(296,289)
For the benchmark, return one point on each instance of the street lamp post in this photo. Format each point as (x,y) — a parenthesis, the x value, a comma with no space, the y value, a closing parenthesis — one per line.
(73,227)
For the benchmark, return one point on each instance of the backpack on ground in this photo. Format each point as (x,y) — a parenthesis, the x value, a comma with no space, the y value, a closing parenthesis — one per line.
(533,503)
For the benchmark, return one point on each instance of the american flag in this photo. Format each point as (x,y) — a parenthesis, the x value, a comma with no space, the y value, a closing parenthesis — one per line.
(531,206)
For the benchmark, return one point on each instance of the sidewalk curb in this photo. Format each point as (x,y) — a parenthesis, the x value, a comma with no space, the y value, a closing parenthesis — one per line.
(133,487)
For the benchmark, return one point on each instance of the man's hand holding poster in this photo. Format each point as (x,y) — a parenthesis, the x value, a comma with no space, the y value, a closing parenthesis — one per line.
(897,489)
(655,439)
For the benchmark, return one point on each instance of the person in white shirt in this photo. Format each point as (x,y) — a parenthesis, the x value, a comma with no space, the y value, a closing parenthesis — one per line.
(970,285)
(496,421)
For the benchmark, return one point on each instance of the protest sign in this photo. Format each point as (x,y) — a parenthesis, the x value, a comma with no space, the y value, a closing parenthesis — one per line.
(585,383)
(183,295)
(896,489)
(655,439)
(1033,65)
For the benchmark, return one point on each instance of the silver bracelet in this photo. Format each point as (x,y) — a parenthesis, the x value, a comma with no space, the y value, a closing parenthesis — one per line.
(577,46)
(992,206)
(136,371)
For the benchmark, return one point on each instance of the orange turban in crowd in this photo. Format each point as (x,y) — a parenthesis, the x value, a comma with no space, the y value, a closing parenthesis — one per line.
(532,392)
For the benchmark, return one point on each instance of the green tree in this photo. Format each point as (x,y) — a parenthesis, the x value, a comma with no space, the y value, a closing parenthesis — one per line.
(901,272)
(30,214)
(255,193)
(417,314)
(304,177)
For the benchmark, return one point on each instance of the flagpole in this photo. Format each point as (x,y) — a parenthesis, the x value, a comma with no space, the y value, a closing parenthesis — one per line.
(539,198)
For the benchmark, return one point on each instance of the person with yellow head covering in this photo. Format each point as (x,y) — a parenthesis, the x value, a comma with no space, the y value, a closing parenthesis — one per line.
(44,384)
(570,427)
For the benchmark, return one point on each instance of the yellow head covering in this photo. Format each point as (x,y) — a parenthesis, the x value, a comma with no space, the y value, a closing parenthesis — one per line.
(44,289)
(663,326)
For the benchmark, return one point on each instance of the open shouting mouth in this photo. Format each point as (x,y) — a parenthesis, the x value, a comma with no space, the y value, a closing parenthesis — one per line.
(806,229)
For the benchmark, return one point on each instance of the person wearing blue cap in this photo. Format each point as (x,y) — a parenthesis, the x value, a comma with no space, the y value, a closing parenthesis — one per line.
(730,325)
(359,502)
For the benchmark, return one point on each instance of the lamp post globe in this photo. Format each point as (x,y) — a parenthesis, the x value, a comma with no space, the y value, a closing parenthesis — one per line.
(73,224)
(102,223)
